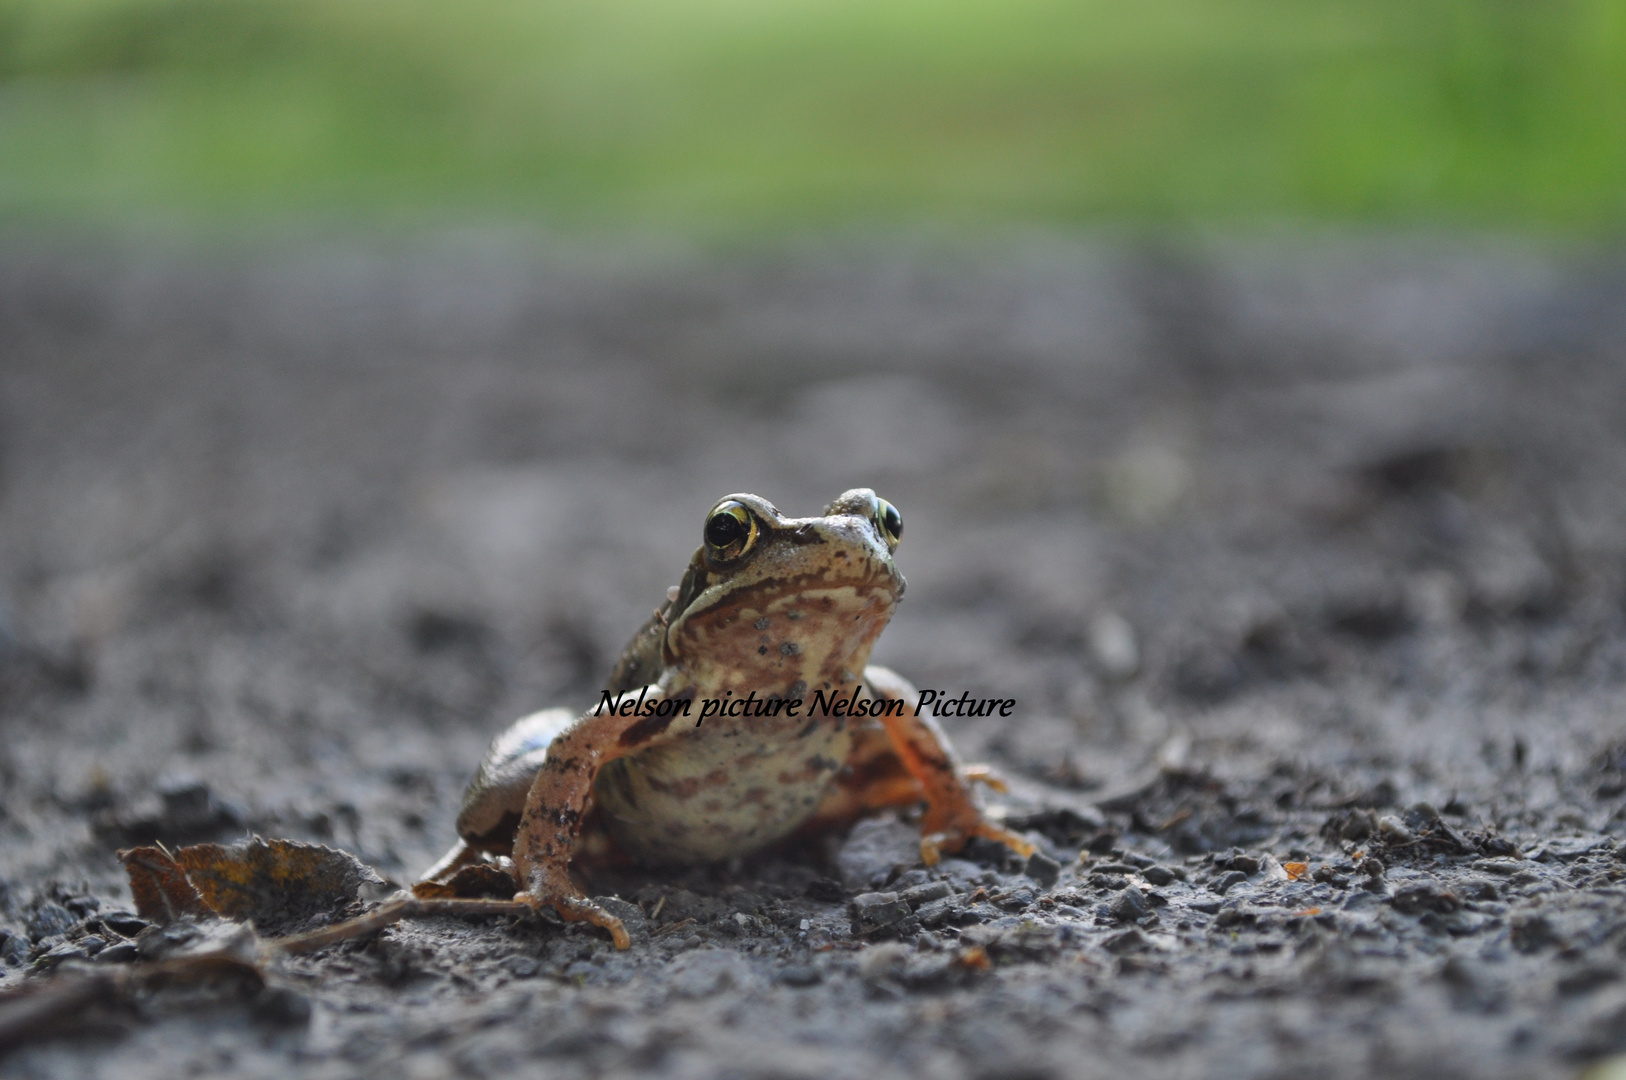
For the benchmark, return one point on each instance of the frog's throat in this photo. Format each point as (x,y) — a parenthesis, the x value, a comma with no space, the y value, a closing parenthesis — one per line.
(780,640)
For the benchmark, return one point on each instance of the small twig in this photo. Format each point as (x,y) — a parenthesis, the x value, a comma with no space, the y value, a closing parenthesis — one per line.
(669,927)
(1179,816)
(393,911)
(653,915)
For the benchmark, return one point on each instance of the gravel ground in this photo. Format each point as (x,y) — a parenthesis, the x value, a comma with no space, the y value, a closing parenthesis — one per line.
(1304,560)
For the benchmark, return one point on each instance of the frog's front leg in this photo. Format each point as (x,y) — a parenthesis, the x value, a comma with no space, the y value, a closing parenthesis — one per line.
(952,817)
(558,800)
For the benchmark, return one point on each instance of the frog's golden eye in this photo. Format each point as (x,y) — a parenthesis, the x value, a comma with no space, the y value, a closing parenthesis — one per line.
(731,531)
(890,522)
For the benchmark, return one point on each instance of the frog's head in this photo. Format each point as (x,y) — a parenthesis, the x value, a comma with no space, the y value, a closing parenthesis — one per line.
(785,605)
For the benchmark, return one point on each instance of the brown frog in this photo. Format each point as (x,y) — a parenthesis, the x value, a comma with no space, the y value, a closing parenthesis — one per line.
(709,741)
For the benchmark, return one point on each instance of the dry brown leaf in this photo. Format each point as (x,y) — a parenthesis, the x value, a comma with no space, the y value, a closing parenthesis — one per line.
(1295,870)
(271,883)
(160,886)
(275,882)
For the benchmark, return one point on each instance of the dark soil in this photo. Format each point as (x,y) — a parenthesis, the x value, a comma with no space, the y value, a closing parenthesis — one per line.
(1303,553)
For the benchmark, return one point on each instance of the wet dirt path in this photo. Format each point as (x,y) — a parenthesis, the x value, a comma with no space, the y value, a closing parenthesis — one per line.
(1306,563)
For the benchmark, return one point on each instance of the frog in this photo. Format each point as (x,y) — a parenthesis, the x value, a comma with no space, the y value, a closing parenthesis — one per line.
(774,617)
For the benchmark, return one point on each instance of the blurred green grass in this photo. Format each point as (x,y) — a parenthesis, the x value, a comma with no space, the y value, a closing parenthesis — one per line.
(722,113)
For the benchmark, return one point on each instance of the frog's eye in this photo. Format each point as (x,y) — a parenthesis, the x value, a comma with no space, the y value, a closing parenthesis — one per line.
(730,531)
(890,522)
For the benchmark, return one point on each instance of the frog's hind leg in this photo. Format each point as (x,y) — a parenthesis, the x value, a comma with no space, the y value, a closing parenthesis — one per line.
(872,778)
(923,751)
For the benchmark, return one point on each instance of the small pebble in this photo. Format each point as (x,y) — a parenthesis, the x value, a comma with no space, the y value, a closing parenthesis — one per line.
(1128,906)
(908,880)
(1504,867)
(1019,900)
(123,922)
(939,912)
(925,894)
(49,920)
(14,950)
(876,911)
(1042,869)
(1393,830)
(1114,868)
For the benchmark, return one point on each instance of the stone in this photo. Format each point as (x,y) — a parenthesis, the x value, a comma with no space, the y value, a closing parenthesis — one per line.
(1247,864)
(925,894)
(1044,870)
(876,911)
(939,912)
(874,848)
(1417,899)
(50,920)
(1129,905)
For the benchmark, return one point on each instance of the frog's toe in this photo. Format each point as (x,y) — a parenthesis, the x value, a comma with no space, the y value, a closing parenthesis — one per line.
(931,848)
(581,909)
(990,831)
(934,845)
(982,774)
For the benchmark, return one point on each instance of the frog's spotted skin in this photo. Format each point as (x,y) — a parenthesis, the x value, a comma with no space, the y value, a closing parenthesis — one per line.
(772,606)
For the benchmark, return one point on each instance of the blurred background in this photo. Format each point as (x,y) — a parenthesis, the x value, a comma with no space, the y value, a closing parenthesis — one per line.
(1248,373)
(721,117)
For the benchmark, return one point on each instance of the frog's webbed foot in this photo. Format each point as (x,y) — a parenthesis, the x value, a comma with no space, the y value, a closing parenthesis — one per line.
(572,906)
(934,845)
(983,774)
(475,880)
(952,815)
